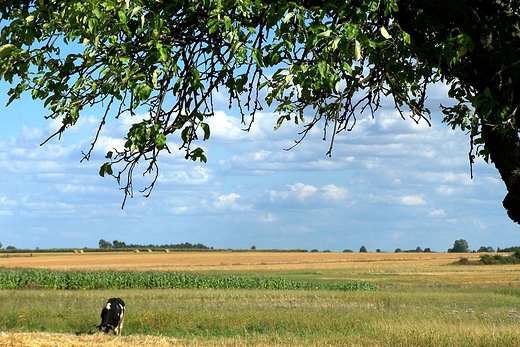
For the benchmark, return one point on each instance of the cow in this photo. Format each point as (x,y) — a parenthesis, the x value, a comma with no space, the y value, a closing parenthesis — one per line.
(112,316)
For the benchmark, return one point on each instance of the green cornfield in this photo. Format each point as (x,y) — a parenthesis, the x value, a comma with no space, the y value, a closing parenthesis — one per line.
(88,280)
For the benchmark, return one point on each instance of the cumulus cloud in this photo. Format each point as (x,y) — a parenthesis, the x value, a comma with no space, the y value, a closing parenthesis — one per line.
(186,174)
(302,191)
(437,213)
(412,200)
(335,193)
(230,201)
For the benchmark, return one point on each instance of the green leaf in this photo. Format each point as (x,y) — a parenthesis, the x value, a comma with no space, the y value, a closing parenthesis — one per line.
(6,49)
(160,141)
(288,16)
(385,33)
(135,11)
(322,68)
(106,168)
(357,50)
(143,91)
(407,39)
(163,53)
(257,56)
(325,33)
(205,127)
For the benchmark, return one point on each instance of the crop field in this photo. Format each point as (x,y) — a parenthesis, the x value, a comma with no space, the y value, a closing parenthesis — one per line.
(290,299)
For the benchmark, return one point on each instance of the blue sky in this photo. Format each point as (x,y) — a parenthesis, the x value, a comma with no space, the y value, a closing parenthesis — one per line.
(390,184)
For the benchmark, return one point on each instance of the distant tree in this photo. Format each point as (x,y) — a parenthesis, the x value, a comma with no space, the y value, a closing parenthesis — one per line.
(418,249)
(427,250)
(104,244)
(0,244)
(117,244)
(459,246)
(327,251)
(485,249)
(253,248)
(362,249)
(378,250)
(347,251)
(11,247)
(508,249)
(398,250)
(314,250)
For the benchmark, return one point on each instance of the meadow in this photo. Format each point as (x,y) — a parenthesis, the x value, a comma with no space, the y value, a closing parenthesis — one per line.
(419,300)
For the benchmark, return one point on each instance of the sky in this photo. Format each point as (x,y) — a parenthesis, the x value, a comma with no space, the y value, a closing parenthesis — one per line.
(390,183)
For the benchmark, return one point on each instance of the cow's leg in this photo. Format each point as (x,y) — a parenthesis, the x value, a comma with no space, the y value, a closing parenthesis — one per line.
(119,327)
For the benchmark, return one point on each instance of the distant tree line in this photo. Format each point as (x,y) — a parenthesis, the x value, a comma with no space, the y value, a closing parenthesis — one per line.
(508,249)
(416,250)
(103,244)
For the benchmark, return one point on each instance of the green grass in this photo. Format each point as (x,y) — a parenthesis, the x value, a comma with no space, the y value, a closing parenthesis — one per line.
(393,317)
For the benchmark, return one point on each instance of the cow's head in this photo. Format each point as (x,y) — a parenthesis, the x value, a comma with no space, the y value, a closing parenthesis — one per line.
(105,328)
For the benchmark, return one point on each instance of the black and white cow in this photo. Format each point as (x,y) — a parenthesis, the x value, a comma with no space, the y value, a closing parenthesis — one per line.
(112,316)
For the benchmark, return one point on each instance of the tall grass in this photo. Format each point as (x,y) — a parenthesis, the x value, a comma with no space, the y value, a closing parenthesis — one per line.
(197,317)
(86,280)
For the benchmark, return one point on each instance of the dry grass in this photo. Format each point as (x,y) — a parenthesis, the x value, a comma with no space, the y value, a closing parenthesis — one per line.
(68,340)
(186,261)
(46,339)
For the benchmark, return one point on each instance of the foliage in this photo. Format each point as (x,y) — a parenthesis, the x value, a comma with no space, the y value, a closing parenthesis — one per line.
(418,249)
(488,259)
(86,280)
(464,261)
(314,62)
(362,249)
(488,249)
(103,244)
(508,249)
(459,246)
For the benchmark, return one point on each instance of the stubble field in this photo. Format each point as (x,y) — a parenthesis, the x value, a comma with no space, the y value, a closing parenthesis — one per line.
(423,299)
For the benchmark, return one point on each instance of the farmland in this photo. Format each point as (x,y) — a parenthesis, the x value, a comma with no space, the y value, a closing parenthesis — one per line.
(422,299)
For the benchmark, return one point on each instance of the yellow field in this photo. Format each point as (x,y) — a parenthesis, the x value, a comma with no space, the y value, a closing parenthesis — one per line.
(372,267)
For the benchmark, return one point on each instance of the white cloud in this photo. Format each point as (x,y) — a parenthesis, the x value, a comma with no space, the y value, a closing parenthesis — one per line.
(181,209)
(335,193)
(302,191)
(230,201)
(306,193)
(437,213)
(5,201)
(184,174)
(267,218)
(412,200)
(225,128)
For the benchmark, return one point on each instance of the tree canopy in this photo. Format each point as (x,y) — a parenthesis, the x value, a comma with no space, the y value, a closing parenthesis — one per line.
(319,63)
(459,246)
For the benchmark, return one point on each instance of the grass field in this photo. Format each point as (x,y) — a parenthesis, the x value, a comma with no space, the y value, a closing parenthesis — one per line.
(423,300)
